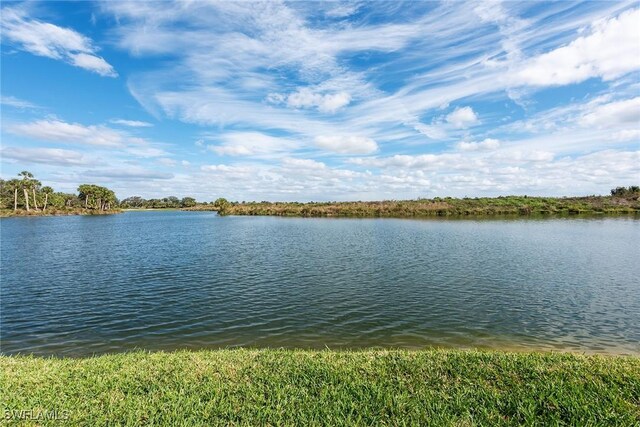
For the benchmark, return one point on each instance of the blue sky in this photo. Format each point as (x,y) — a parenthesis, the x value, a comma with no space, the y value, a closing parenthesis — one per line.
(323,100)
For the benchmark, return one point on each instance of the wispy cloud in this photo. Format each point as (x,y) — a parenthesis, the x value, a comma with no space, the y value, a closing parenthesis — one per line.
(132,123)
(51,41)
(306,98)
(129,173)
(56,130)
(97,136)
(12,101)
(353,100)
(48,156)
(346,144)
(384,86)
(251,144)
(485,145)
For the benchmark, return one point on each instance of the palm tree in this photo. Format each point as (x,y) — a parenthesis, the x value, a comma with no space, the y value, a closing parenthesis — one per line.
(46,190)
(15,185)
(110,197)
(96,196)
(35,184)
(84,191)
(26,184)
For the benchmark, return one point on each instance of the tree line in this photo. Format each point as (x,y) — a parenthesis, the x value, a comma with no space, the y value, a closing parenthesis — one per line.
(170,202)
(631,191)
(27,193)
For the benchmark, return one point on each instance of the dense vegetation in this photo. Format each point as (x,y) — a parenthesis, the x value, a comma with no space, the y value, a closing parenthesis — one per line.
(631,191)
(171,202)
(295,387)
(25,195)
(622,201)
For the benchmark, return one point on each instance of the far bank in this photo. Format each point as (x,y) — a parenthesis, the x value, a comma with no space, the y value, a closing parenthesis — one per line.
(6,213)
(443,207)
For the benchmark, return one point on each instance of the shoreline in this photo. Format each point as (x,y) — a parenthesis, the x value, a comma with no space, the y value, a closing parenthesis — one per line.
(521,206)
(34,213)
(449,217)
(499,346)
(508,207)
(276,387)
(21,213)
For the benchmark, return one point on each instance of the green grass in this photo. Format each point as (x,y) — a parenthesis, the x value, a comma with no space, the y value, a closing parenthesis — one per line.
(295,387)
(485,206)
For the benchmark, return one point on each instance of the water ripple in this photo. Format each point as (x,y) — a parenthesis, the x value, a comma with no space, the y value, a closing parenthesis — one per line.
(167,280)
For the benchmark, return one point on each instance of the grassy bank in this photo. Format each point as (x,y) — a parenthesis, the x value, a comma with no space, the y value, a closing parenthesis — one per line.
(509,205)
(198,208)
(201,208)
(288,387)
(5,213)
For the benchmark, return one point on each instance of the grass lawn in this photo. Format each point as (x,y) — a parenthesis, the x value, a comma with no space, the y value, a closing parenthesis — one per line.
(295,387)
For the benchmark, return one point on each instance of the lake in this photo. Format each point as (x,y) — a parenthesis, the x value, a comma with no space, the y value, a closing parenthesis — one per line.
(167,280)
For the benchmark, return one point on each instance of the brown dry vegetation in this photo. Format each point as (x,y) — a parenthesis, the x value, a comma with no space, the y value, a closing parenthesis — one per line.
(509,205)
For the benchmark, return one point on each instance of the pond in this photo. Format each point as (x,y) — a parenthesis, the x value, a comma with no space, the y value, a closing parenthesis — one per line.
(168,280)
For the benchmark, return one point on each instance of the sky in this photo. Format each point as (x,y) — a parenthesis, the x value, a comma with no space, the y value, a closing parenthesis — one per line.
(314,101)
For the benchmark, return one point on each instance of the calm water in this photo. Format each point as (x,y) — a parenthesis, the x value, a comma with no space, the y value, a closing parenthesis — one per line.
(168,280)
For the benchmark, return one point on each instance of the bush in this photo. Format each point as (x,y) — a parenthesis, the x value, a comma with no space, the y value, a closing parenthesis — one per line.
(630,191)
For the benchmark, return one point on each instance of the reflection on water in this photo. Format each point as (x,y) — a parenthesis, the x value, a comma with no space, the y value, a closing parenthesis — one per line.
(168,280)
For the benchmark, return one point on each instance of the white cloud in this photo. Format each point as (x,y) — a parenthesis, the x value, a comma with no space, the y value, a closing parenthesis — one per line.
(511,171)
(271,34)
(430,131)
(333,102)
(234,67)
(146,151)
(12,101)
(130,173)
(289,59)
(580,127)
(251,144)
(302,163)
(486,145)
(627,135)
(97,136)
(422,161)
(307,98)
(56,130)
(48,40)
(226,169)
(342,10)
(228,43)
(495,11)
(609,51)
(92,63)
(165,161)
(131,123)
(626,112)
(518,156)
(345,144)
(222,107)
(462,117)
(49,156)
